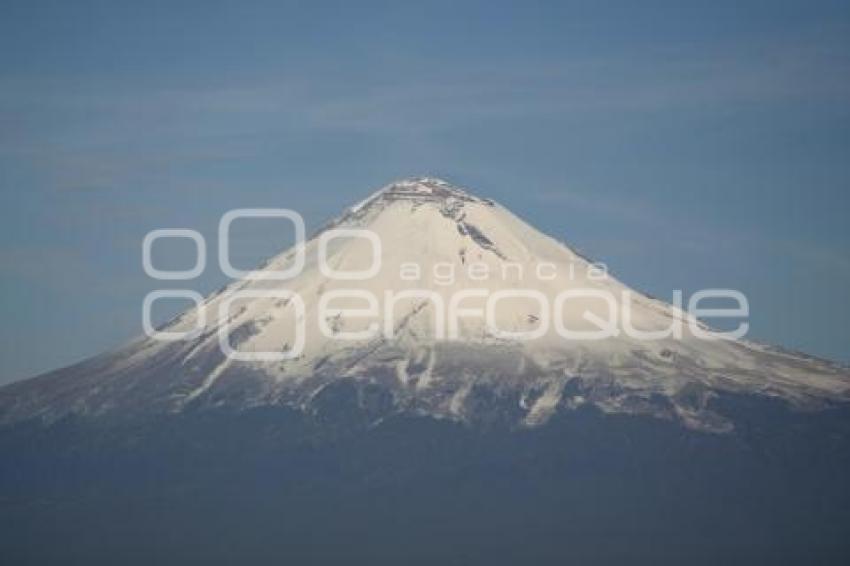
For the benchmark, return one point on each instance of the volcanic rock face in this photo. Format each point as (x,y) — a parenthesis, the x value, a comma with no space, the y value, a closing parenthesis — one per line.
(422,342)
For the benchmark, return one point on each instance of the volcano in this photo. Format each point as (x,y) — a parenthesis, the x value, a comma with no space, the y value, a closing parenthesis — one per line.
(428,378)
(438,247)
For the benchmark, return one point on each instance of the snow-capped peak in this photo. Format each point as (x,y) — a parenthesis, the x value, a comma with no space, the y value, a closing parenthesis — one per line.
(412,313)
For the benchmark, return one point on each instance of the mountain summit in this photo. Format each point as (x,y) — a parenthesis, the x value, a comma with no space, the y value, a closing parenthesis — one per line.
(430,300)
(423,188)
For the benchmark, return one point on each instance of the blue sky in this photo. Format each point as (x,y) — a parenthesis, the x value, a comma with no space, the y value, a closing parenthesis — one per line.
(686,146)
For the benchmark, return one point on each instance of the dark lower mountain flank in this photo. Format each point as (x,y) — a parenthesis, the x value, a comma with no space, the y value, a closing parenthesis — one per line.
(351,483)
